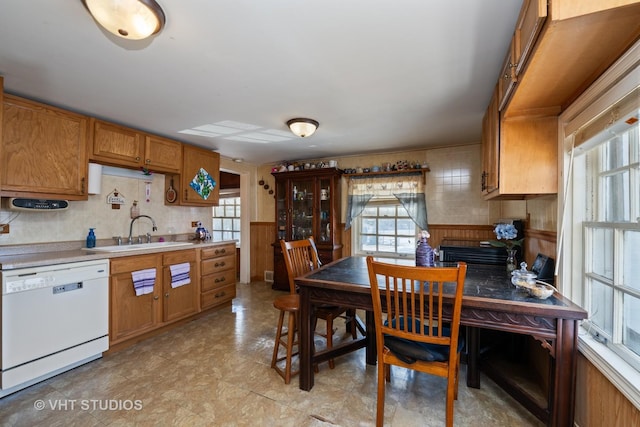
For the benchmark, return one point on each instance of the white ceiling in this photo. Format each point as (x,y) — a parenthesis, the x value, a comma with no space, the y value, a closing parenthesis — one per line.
(378,75)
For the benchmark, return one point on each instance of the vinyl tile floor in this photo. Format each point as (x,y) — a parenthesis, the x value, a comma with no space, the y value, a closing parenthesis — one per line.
(215,371)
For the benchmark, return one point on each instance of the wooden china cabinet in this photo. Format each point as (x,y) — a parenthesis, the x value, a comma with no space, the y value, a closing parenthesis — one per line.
(307,205)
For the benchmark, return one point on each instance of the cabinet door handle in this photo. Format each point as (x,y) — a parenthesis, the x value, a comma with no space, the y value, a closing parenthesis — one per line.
(220,264)
(155,297)
(219,280)
(220,294)
(148,161)
(166,295)
(138,159)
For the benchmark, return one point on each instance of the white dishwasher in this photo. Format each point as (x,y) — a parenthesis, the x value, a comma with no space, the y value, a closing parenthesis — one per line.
(54,318)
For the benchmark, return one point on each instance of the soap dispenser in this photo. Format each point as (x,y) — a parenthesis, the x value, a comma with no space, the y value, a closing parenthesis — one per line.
(135,210)
(91,239)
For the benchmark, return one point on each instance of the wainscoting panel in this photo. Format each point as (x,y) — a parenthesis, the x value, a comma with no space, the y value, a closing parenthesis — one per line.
(598,402)
(539,242)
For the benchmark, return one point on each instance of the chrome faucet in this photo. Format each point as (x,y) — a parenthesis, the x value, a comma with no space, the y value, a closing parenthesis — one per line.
(155,228)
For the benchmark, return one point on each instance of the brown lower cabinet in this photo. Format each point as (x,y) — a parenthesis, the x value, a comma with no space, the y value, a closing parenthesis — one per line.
(217,275)
(131,315)
(213,284)
(181,301)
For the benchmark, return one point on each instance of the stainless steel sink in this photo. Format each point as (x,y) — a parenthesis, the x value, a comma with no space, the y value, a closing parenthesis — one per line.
(137,247)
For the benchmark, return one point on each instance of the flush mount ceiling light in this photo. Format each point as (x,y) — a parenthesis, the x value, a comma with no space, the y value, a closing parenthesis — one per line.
(302,127)
(129,19)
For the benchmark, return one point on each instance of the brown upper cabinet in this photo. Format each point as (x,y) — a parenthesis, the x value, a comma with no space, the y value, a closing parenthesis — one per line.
(162,154)
(43,151)
(491,145)
(561,48)
(197,164)
(117,145)
(529,24)
(519,155)
(558,49)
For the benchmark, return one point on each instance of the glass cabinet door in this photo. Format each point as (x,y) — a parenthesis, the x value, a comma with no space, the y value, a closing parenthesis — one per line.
(282,209)
(302,208)
(325,231)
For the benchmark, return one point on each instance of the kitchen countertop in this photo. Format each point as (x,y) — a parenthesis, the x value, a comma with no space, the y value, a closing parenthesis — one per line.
(38,255)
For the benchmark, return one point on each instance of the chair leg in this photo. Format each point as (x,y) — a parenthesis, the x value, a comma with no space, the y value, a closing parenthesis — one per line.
(452,394)
(285,373)
(330,339)
(382,374)
(351,323)
(450,399)
(276,347)
(455,396)
(291,333)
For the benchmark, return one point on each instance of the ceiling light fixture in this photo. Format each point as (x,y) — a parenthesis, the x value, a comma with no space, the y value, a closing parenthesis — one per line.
(303,127)
(129,19)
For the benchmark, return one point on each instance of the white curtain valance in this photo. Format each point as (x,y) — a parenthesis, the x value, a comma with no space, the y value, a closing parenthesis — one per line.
(386,186)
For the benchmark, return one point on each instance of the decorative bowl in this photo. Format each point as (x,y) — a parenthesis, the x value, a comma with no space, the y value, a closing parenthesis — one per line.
(541,290)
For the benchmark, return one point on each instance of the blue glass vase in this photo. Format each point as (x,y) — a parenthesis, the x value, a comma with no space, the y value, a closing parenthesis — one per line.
(424,254)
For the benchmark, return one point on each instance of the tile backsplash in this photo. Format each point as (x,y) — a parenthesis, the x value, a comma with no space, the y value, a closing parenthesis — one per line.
(73,223)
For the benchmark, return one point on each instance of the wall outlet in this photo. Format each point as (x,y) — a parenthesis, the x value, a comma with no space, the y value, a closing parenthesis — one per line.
(4,228)
(194,223)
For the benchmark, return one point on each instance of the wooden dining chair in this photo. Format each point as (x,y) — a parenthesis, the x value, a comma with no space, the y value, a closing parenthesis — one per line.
(300,257)
(417,320)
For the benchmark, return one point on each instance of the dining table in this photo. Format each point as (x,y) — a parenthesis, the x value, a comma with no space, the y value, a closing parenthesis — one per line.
(490,301)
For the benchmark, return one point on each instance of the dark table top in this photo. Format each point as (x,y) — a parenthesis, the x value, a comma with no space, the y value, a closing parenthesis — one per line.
(483,284)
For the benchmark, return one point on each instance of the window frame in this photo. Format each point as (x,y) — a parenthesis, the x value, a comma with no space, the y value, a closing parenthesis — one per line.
(613,85)
(234,220)
(357,228)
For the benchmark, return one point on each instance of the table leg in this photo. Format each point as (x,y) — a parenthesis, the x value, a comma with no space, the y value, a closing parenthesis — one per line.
(473,354)
(305,341)
(564,368)
(371,339)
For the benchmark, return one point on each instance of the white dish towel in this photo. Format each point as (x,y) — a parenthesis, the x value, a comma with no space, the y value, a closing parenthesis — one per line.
(180,274)
(143,281)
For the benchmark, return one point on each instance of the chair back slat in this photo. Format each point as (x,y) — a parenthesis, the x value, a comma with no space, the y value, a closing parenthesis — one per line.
(300,257)
(418,296)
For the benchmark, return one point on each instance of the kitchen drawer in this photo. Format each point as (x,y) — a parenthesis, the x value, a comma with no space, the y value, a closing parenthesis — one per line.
(217,296)
(179,257)
(133,263)
(214,265)
(217,251)
(213,281)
